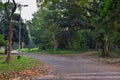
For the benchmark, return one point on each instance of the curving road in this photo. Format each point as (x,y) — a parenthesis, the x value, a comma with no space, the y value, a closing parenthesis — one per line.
(76,67)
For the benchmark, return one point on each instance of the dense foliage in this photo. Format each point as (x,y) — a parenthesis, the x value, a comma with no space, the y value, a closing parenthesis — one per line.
(4,25)
(77,25)
(71,25)
(2,41)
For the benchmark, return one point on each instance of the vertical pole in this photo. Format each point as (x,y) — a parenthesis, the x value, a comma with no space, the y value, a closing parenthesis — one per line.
(19,32)
(20,8)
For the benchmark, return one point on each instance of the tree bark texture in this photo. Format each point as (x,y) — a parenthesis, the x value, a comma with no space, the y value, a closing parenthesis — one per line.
(55,43)
(106,47)
(105,52)
(8,59)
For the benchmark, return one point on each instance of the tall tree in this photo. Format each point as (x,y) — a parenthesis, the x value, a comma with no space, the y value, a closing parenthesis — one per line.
(66,15)
(8,59)
(104,16)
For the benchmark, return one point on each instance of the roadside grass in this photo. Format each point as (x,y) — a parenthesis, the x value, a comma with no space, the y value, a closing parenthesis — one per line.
(18,64)
(115,53)
(50,51)
(1,51)
(114,59)
(33,50)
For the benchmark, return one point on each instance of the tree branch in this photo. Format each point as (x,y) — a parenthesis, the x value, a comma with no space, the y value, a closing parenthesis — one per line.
(13,10)
(6,10)
(91,10)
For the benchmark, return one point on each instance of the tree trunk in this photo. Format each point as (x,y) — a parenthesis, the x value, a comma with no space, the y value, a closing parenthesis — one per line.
(105,47)
(55,43)
(99,49)
(8,59)
(116,47)
(6,47)
(69,44)
(10,42)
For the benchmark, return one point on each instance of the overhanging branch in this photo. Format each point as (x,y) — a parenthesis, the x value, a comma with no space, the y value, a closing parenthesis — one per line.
(13,10)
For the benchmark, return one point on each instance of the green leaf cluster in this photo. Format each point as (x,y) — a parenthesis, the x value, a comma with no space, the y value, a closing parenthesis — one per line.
(3,42)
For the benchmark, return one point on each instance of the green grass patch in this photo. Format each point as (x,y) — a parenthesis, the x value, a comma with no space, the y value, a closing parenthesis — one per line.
(63,52)
(50,51)
(1,51)
(32,50)
(18,64)
(114,59)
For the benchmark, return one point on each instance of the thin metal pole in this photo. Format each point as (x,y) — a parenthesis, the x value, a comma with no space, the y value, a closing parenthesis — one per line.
(19,32)
(20,8)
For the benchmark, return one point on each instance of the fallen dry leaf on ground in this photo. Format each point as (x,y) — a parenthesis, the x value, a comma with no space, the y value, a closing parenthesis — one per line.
(25,74)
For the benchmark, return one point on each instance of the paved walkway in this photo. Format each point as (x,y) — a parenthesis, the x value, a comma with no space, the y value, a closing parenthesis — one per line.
(77,67)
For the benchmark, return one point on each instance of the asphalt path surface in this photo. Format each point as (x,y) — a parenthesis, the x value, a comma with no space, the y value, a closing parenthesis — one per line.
(76,67)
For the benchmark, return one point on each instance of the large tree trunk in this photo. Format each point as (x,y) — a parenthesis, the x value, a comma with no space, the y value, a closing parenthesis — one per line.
(10,42)
(8,59)
(105,52)
(55,43)
(106,46)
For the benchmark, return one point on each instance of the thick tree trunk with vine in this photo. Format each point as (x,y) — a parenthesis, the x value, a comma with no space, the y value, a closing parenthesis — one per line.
(8,59)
